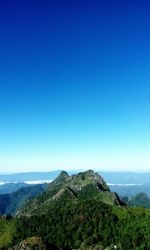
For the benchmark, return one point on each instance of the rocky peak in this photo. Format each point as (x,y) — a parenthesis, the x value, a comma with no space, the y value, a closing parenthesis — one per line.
(59,181)
(62,177)
(102,185)
(87,173)
(89,177)
(84,185)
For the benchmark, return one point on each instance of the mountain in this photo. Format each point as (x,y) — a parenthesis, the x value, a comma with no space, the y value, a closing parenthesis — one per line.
(110,177)
(4,203)
(76,212)
(10,203)
(11,187)
(29,176)
(124,183)
(130,190)
(139,200)
(84,185)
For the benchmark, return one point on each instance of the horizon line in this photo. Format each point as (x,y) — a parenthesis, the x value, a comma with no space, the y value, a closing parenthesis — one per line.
(75,170)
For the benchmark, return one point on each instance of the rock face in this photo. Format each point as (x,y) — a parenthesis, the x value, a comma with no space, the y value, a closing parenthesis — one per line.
(78,181)
(84,185)
(34,243)
(89,177)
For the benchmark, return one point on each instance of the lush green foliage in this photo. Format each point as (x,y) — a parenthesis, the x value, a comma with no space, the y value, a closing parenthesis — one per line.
(133,228)
(80,224)
(7,229)
(74,213)
(68,224)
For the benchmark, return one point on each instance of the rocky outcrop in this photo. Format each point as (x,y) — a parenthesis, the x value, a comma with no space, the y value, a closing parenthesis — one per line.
(34,243)
(84,185)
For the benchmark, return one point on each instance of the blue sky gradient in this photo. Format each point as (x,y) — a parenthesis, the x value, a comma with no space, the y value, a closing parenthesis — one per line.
(74,85)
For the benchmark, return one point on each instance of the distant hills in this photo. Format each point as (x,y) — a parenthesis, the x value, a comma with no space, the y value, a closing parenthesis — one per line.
(130,190)
(77,212)
(14,195)
(29,176)
(128,184)
(80,185)
(124,183)
(10,203)
(110,177)
(139,200)
(11,187)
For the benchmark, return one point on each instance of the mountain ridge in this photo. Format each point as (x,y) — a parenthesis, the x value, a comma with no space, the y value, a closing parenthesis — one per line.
(76,212)
(11,202)
(83,185)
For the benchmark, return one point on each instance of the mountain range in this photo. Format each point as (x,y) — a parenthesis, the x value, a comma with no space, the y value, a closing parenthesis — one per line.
(124,183)
(82,185)
(77,212)
(110,177)
(14,195)
(11,202)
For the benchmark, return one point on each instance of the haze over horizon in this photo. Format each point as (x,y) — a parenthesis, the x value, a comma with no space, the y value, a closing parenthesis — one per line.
(74,85)
(73,171)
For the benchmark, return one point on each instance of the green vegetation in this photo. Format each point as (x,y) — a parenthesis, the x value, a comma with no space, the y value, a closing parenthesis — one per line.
(84,185)
(69,224)
(72,224)
(7,229)
(77,213)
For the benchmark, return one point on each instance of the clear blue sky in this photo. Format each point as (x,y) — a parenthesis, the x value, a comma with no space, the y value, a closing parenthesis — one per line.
(74,85)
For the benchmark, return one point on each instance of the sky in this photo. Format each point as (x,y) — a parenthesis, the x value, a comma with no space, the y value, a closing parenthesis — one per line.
(74,85)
